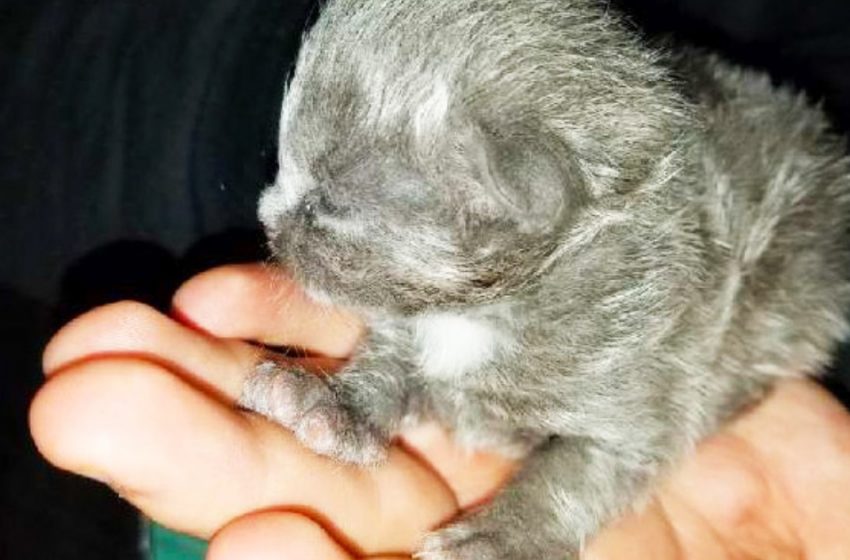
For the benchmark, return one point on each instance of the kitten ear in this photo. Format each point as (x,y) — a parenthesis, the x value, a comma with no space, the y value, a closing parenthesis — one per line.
(529,175)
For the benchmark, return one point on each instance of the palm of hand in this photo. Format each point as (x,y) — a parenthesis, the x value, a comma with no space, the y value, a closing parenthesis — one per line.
(145,404)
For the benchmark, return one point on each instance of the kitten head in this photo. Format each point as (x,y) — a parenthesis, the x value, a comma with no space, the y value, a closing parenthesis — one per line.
(419,173)
(385,224)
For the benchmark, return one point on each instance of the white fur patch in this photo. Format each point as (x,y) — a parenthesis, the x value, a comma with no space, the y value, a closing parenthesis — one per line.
(451,345)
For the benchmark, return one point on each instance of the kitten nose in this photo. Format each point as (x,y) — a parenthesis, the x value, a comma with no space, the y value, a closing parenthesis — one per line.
(308,211)
(313,204)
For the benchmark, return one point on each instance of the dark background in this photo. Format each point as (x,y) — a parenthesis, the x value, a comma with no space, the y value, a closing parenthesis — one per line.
(134,139)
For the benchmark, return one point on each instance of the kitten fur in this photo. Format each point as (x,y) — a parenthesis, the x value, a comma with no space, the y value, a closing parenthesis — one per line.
(569,245)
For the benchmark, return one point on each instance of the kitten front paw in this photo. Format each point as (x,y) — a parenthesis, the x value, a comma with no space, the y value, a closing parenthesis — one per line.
(461,541)
(307,404)
(483,536)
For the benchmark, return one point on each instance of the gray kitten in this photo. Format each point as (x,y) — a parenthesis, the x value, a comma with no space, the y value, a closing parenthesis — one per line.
(569,246)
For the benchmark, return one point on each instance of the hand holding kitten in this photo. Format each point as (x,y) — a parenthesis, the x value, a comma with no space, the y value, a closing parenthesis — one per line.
(148,426)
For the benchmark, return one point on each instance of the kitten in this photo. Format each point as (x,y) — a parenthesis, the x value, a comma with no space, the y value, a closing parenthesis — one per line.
(569,246)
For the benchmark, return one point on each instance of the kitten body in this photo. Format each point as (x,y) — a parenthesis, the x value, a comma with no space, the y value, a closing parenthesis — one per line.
(569,246)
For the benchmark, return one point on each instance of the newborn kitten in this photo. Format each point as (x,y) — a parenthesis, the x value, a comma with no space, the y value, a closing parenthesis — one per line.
(568,245)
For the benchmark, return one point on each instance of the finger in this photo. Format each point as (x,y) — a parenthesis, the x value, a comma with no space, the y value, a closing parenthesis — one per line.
(193,463)
(149,435)
(134,329)
(278,535)
(275,536)
(260,303)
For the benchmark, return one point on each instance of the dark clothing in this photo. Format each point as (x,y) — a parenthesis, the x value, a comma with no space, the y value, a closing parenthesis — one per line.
(134,139)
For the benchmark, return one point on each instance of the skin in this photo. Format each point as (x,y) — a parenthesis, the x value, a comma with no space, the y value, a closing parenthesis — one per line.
(144,403)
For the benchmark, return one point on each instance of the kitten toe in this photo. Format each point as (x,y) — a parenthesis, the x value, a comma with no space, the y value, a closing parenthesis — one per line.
(328,429)
(319,430)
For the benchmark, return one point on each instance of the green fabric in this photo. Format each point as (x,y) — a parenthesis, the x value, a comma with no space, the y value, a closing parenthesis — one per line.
(169,545)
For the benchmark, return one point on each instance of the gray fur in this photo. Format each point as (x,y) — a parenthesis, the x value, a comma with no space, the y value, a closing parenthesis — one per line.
(638,243)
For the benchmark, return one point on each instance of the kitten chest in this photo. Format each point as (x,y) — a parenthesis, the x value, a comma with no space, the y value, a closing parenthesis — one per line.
(449,345)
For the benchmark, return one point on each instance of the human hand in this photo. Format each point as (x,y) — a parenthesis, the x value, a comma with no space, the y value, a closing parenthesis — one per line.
(145,404)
